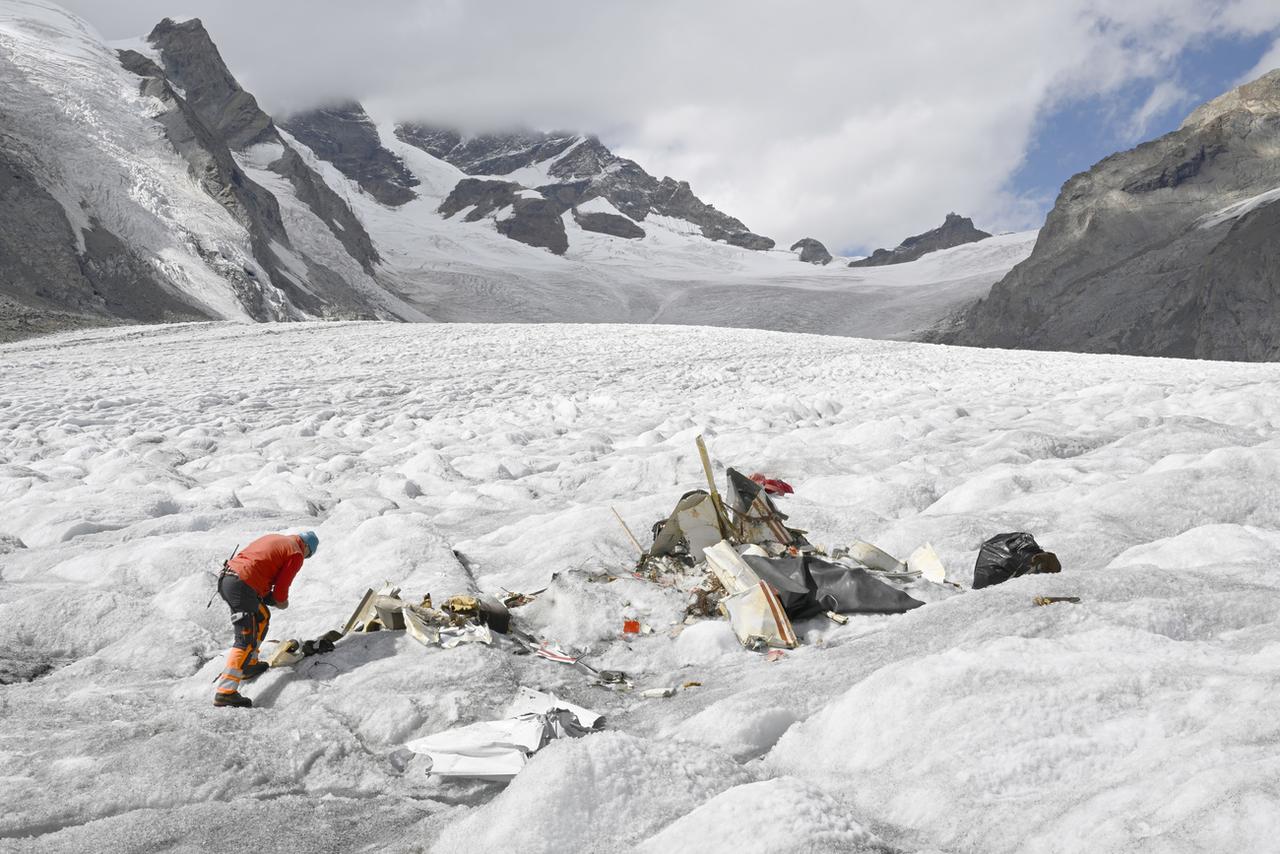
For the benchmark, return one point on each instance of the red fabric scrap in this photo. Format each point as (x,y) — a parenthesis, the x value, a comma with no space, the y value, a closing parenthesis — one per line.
(773,486)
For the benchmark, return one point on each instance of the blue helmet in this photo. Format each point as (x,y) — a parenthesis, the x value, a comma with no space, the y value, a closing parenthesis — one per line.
(311,541)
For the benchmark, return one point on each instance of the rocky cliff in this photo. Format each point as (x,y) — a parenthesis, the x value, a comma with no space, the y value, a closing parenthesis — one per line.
(955,230)
(343,135)
(1168,249)
(192,62)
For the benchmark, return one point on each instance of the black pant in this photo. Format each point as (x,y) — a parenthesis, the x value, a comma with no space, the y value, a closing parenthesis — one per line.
(249,619)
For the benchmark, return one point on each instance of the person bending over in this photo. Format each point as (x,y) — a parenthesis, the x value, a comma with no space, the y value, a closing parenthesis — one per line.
(251,583)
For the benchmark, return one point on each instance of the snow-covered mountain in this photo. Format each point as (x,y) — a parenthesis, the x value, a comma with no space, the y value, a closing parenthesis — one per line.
(143,183)
(1140,720)
(1168,249)
(572,171)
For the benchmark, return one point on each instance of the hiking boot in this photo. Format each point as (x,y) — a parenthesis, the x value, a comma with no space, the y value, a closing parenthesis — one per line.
(253,671)
(235,698)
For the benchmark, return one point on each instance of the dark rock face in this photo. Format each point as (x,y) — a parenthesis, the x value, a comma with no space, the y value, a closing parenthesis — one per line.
(1142,254)
(956,230)
(607,223)
(209,160)
(747,240)
(812,251)
(675,199)
(486,196)
(325,203)
(47,283)
(344,136)
(438,142)
(585,169)
(193,64)
(536,222)
(192,61)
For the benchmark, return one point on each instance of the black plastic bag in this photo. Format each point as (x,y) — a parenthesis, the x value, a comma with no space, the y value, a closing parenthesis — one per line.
(1006,556)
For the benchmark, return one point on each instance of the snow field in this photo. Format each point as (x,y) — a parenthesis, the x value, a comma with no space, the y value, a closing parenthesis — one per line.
(133,460)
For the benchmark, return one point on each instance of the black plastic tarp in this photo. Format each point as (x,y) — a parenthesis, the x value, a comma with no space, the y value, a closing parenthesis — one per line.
(808,585)
(848,590)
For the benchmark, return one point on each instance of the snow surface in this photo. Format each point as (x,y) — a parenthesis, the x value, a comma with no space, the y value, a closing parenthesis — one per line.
(133,461)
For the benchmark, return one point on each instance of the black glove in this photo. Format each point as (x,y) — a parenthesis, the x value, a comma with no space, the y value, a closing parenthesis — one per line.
(270,602)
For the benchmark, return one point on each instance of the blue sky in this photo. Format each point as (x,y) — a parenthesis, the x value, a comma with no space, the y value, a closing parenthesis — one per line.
(1081,132)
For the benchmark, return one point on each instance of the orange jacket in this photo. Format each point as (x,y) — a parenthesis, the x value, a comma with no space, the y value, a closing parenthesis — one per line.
(269,563)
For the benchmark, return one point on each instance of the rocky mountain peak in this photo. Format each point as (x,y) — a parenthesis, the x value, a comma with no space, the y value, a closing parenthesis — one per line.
(193,63)
(1260,97)
(955,230)
(1167,249)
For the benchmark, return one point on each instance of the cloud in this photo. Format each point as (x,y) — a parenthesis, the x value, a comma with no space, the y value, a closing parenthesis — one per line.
(1165,97)
(854,122)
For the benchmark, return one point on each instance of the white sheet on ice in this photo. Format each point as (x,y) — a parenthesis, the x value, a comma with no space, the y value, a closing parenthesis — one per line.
(497,750)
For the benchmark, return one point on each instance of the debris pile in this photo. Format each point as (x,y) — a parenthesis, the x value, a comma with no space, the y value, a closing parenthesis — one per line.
(749,566)
(459,619)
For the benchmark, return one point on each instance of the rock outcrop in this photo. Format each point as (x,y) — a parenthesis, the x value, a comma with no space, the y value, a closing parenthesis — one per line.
(812,251)
(344,136)
(483,197)
(537,222)
(955,230)
(192,63)
(533,221)
(607,223)
(583,169)
(1168,249)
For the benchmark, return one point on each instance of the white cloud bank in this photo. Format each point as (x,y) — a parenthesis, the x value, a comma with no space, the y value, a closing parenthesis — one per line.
(854,122)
